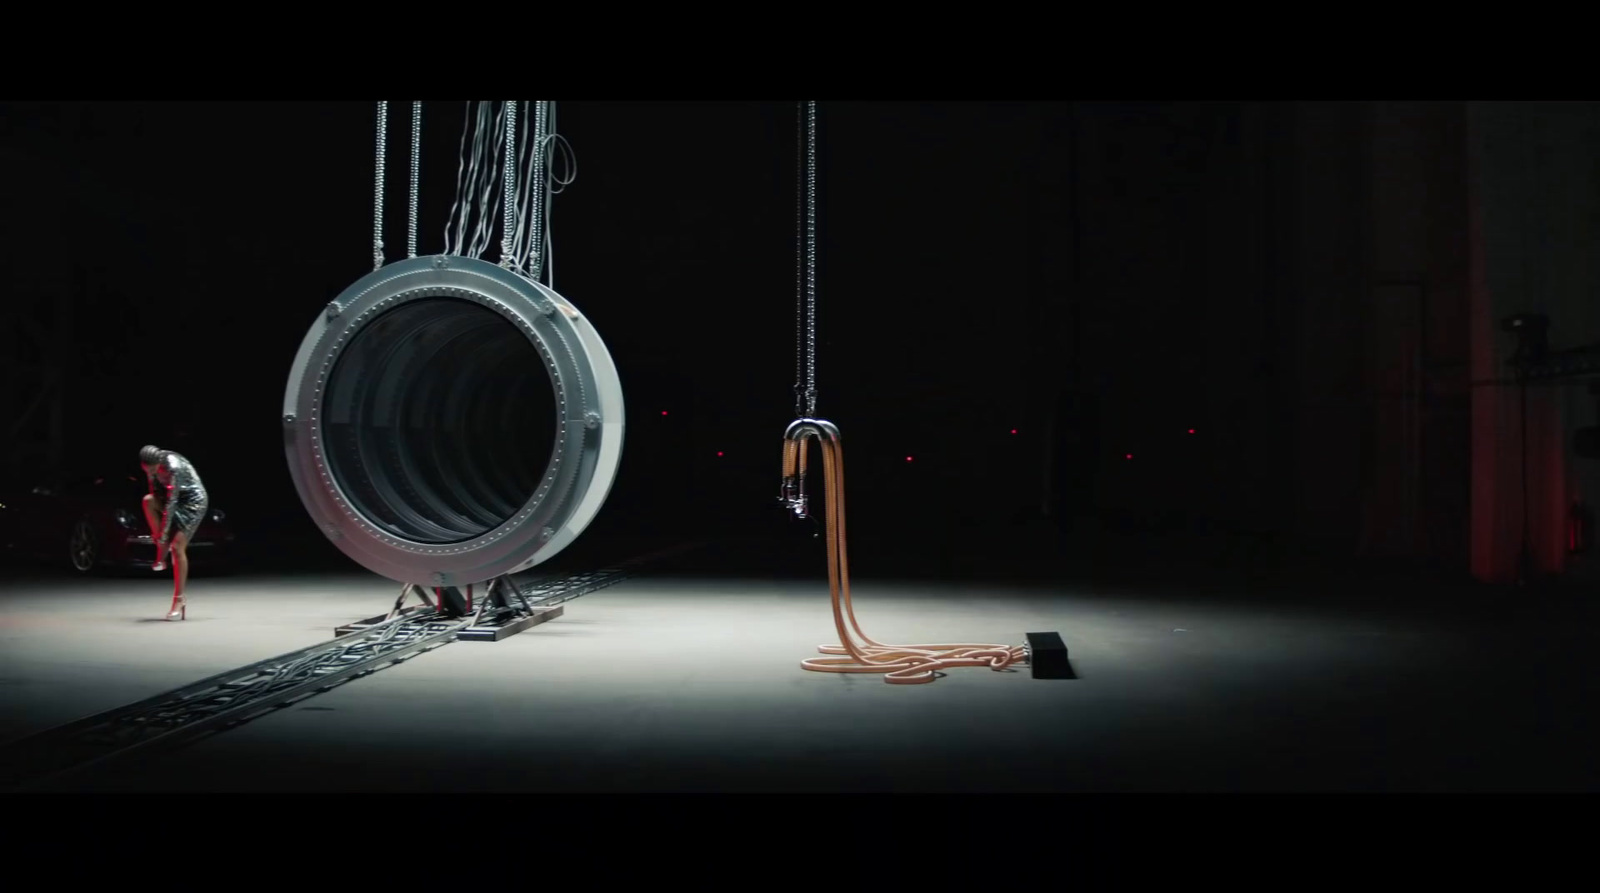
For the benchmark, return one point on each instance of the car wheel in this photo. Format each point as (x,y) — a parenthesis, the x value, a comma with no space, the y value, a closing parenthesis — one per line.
(84,547)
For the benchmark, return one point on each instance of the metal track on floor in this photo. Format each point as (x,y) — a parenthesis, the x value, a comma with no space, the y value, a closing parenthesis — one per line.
(237,696)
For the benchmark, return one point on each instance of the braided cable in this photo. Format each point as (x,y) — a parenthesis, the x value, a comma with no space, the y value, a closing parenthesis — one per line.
(811,259)
(508,229)
(377,196)
(416,162)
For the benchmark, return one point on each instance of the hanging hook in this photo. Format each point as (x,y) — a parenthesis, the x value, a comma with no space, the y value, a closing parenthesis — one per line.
(899,664)
(792,490)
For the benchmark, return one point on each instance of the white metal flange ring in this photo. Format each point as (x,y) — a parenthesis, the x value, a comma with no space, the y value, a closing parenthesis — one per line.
(408,414)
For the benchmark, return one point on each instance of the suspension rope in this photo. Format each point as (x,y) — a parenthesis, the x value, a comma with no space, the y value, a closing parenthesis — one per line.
(531,191)
(416,162)
(454,225)
(799,260)
(487,141)
(506,182)
(811,259)
(555,184)
(805,263)
(524,193)
(857,653)
(488,200)
(377,196)
(473,210)
(535,246)
(508,225)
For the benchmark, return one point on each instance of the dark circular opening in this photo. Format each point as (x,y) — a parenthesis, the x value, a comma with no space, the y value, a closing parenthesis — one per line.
(438,420)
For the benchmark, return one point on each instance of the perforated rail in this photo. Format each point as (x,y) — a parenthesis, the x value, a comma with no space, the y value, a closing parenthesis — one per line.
(226,700)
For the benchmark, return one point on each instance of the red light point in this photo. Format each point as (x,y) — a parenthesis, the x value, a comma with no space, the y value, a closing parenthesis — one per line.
(1128,456)
(1191,430)
(719,453)
(908,458)
(1013,430)
(663,412)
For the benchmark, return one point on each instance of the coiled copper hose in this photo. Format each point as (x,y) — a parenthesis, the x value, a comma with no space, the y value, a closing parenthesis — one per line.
(900,664)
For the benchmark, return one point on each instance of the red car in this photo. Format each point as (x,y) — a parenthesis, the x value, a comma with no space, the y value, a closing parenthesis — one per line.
(97,522)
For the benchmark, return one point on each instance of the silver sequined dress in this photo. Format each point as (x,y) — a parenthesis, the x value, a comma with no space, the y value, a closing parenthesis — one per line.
(186,497)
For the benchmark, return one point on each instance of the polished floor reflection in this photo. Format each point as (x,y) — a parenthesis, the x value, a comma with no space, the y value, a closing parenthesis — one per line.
(685,682)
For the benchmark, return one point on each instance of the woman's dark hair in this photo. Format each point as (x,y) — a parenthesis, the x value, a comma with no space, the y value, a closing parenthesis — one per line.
(150,455)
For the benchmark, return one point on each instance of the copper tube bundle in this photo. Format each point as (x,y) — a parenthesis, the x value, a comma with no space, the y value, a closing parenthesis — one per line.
(900,664)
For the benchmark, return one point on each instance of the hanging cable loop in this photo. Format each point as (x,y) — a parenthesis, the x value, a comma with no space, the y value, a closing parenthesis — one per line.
(377,196)
(505,178)
(857,652)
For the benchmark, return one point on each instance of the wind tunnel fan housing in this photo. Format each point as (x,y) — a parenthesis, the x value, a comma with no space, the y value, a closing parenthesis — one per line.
(416,416)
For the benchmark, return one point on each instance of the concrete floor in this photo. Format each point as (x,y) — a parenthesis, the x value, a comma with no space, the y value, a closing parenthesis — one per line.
(685,682)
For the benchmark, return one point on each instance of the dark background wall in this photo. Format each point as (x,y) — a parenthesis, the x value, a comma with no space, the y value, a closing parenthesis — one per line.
(1535,227)
(1293,282)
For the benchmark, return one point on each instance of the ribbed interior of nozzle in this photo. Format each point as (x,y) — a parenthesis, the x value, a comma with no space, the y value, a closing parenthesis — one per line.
(438,420)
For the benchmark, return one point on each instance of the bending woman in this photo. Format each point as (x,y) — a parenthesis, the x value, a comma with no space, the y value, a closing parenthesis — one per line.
(174,507)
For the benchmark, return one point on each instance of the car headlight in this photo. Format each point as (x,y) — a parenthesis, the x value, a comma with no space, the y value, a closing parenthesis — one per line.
(218,516)
(126,518)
